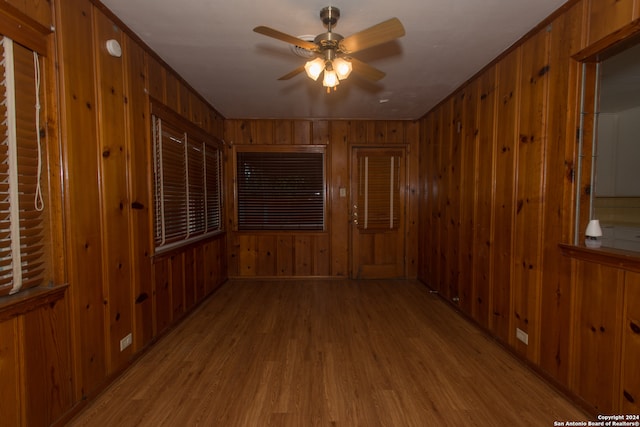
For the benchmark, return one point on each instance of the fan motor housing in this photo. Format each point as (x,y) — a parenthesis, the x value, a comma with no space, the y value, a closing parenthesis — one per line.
(329,16)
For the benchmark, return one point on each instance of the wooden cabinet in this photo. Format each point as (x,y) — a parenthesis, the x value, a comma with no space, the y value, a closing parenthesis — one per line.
(606,329)
(630,369)
(597,337)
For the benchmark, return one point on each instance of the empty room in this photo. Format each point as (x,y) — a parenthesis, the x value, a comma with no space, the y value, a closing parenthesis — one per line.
(298,213)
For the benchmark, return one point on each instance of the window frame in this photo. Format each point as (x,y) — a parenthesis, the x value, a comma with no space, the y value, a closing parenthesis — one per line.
(588,110)
(191,132)
(260,148)
(27,208)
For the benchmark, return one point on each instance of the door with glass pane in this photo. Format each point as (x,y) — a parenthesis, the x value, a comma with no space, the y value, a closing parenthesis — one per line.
(377,213)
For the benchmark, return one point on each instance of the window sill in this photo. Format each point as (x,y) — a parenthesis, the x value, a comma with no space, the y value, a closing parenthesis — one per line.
(611,257)
(29,300)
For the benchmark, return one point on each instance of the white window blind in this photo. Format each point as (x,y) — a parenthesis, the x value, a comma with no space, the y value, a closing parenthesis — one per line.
(187,177)
(23,234)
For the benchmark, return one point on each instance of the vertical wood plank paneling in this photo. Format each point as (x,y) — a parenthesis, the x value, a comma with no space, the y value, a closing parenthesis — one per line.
(285,254)
(467,265)
(302,131)
(608,16)
(530,157)
(283,132)
(439,195)
(358,132)
(114,193)
(566,37)
(504,204)
(189,275)
(446,162)
(266,256)
(222,272)
(629,393)
(199,269)
(339,220)
(171,90)
(320,254)
(209,267)
(324,254)
(483,235)
(79,133)
(455,167)
(184,103)
(424,207)
(597,339)
(303,256)
(176,268)
(39,10)
(320,132)
(46,362)
(162,294)
(11,402)
(264,132)
(138,146)
(197,111)
(409,133)
(247,255)
(155,77)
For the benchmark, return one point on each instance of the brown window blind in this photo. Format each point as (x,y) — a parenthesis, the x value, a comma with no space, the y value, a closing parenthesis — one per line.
(187,179)
(379,191)
(23,225)
(280,190)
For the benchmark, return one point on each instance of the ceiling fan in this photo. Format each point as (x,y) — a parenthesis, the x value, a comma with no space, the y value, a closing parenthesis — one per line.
(332,51)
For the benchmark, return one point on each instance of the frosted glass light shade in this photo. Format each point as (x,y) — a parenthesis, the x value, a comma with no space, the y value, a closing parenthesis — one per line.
(593,229)
(342,67)
(330,78)
(314,68)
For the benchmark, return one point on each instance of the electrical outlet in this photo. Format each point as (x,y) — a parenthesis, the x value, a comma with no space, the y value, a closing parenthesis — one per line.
(522,336)
(126,342)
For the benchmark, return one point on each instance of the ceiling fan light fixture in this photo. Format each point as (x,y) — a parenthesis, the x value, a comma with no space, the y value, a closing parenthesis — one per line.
(342,67)
(330,79)
(314,68)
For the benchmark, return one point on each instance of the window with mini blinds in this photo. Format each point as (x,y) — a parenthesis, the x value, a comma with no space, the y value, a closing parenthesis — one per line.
(280,189)
(24,240)
(187,177)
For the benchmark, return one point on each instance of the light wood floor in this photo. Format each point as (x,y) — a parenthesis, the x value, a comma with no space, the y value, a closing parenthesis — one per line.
(319,353)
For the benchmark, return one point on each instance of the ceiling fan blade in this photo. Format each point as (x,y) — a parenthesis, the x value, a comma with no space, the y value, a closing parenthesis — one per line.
(270,32)
(381,33)
(292,73)
(366,70)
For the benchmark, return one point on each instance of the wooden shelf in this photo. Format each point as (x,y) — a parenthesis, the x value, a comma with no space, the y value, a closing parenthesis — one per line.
(617,258)
(28,300)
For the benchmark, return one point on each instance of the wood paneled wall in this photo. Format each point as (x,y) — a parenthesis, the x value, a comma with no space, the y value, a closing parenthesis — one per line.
(497,167)
(490,197)
(318,254)
(115,286)
(59,349)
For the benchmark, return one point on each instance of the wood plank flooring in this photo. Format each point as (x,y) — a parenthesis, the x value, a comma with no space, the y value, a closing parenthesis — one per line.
(327,353)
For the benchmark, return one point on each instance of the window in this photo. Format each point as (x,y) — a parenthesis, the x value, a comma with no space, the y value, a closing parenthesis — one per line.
(378,189)
(23,231)
(280,189)
(187,178)
(613,146)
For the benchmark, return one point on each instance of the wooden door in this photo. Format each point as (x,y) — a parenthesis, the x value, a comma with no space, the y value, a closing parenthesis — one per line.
(378,212)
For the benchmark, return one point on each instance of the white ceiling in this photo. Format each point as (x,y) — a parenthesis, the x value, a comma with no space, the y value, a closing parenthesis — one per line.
(212,46)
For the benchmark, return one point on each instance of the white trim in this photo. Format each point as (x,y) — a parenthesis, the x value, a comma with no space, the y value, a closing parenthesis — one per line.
(366,192)
(391,193)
